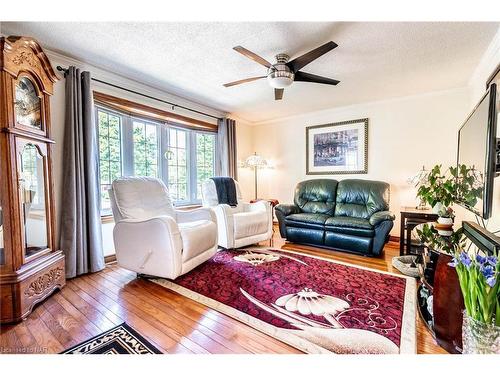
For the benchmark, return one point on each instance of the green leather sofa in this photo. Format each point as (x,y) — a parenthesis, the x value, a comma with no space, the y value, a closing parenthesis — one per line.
(349,215)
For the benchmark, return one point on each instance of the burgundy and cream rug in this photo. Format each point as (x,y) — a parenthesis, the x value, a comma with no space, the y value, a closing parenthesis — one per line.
(314,304)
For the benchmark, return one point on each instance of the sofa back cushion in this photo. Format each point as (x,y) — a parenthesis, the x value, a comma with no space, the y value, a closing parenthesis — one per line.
(361,198)
(141,198)
(316,196)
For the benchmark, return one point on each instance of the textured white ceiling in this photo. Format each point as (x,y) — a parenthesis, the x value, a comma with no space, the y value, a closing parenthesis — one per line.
(374,61)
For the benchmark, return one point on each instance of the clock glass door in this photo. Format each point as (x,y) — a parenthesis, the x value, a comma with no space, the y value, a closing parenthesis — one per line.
(33,199)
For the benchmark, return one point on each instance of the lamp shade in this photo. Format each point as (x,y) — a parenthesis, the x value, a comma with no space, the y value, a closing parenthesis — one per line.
(256,161)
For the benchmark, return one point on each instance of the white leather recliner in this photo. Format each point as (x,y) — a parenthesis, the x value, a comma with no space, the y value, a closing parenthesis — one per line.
(153,238)
(243,225)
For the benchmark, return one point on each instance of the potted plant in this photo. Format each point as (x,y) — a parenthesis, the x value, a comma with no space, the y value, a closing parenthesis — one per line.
(479,278)
(441,189)
(446,216)
(437,189)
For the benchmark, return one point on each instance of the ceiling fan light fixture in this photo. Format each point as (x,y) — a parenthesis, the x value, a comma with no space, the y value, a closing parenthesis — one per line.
(280,76)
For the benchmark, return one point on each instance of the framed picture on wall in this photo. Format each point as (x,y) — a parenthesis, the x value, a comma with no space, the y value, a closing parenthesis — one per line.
(337,148)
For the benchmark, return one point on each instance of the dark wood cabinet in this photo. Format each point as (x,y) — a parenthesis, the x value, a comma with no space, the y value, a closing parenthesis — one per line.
(31,268)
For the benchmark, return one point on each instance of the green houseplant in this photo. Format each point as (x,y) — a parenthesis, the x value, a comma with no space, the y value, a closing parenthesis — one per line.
(441,188)
(437,188)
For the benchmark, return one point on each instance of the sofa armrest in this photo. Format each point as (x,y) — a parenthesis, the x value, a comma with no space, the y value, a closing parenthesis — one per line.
(380,216)
(287,209)
(152,246)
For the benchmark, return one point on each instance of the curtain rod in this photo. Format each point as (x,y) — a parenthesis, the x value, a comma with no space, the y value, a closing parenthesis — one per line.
(65,70)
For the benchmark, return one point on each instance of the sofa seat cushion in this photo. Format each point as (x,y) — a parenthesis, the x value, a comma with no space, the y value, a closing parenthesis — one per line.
(251,223)
(197,236)
(354,226)
(307,220)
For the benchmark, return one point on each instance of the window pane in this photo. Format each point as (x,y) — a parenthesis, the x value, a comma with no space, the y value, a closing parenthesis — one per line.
(145,138)
(205,157)
(177,164)
(110,158)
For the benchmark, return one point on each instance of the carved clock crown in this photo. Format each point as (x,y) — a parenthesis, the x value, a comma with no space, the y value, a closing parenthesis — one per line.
(25,54)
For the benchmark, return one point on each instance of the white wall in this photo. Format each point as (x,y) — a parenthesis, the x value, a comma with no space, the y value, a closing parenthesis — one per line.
(404,134)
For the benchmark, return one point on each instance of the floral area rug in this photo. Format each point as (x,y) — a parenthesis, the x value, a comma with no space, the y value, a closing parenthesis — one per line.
(314,304)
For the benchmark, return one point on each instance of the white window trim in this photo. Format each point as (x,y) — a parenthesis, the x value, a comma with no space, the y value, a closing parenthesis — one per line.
(127,158)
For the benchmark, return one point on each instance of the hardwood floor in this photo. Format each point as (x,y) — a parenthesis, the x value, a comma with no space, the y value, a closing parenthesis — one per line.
(94,303)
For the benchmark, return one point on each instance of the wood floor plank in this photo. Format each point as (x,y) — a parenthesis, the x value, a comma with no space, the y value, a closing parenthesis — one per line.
(79,330)
(158,337)
(89,311)
(9,341)
(155,316)
(46,342)
(53,325)
(25,337)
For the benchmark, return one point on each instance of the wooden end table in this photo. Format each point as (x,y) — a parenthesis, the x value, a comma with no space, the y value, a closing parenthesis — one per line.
(410,218)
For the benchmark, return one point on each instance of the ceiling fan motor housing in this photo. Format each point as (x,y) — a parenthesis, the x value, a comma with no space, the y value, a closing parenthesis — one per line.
(280,75)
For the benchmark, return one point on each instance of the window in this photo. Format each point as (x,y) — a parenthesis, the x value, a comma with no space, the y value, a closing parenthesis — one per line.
(205,158)
(145,138)
(110,159)
(133,146)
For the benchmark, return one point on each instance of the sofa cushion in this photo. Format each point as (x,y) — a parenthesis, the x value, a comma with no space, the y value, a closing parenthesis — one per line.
(307,220)
(316,196)
(361,198)
(346,242)
(142,198)
(197,236)
(251,223)
(350,225)
(346,221)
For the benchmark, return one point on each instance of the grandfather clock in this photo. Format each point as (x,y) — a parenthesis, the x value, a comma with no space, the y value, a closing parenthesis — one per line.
(30,266)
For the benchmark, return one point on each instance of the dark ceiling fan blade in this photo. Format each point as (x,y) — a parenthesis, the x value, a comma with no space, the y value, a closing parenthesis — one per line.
(243,81)
(308,77)
(301,61)
(278,94)
(252,56)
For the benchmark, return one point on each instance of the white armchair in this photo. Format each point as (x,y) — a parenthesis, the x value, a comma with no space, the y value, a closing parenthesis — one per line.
(243,225)
(153,238)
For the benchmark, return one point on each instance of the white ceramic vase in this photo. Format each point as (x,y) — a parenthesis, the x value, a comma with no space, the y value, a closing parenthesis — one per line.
(445,220)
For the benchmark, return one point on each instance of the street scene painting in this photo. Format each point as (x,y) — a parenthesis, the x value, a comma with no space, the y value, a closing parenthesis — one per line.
(337,148)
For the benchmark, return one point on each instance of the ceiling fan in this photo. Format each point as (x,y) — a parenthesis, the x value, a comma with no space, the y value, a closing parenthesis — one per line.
(284,72)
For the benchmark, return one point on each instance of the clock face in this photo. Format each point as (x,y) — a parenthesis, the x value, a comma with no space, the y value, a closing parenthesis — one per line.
(27,104)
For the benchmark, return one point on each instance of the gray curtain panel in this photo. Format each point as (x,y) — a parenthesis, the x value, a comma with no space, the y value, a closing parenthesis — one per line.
(81,233)
(227,162)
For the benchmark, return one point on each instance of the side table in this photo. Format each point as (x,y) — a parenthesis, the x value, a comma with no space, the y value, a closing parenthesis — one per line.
(410,218)
(274,203)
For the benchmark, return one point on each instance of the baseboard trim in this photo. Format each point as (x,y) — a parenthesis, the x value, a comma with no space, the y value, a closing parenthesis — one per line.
(394,239)
(110,259)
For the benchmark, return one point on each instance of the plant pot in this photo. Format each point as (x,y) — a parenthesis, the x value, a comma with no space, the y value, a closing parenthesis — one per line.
(479,337)
(448,221)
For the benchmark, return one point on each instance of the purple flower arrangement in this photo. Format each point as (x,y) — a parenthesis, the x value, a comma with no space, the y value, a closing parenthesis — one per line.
(479,278)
